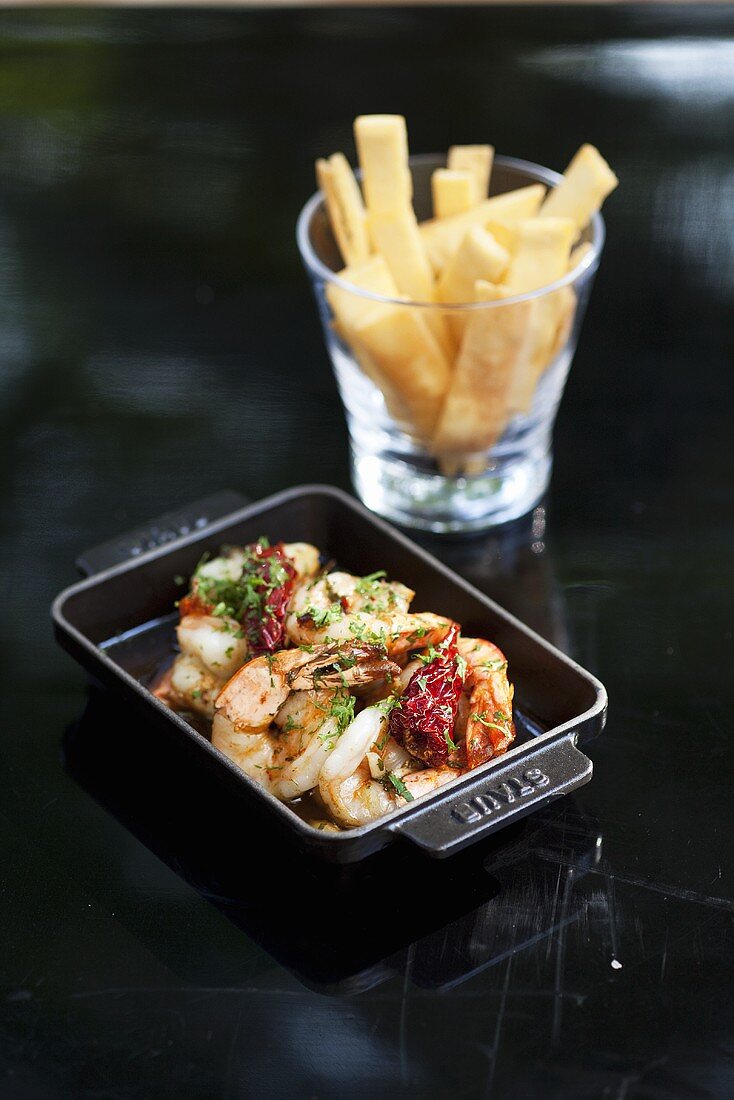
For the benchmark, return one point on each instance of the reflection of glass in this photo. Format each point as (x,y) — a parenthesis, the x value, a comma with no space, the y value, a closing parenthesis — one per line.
(514,566)
(483,455)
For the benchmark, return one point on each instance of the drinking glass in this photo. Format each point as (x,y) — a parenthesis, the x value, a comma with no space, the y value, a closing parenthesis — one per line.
(498,463)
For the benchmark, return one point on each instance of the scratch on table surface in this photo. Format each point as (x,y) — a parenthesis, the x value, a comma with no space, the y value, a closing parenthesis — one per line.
(560,961)
(678,892)
(231,1056)
(554,907)
(635,1078)
(498,1029)
(664,959)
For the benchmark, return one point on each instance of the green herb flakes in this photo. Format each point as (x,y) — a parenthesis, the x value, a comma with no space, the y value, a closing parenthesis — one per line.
(399,786)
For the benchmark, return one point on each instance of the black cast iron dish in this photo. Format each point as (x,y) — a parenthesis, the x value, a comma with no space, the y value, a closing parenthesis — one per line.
(118,624)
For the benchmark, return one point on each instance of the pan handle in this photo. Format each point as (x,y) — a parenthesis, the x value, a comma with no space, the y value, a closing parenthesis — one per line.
(158,532)
(509,790)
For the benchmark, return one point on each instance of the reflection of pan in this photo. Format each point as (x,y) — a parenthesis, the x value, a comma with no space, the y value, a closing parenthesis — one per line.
(119,619)
(396,911)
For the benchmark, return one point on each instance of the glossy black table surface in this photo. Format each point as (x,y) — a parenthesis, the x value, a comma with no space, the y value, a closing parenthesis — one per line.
(158,342)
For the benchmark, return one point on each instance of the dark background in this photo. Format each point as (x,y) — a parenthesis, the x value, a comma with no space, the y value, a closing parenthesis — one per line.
(157,342)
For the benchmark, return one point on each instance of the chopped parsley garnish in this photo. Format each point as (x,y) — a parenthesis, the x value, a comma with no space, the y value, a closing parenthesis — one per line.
(358,627)
(431,654)
(374,588)
(461,666)
(385,706)
(250,599)
(342,712)
(493,725)
(366,585)
(322,616)
(399,786)
(494,666)
(422,682)
(342,709)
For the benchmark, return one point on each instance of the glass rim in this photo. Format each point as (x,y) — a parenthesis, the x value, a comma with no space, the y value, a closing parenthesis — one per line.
(588,264)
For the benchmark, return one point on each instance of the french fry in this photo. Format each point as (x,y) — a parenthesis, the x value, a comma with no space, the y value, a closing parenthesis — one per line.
(566,316)
(442,236)
(504,234)
(397,238)
(393,398)
(345,207)
(479,256)
(475,412)
(586,183)
(454,192)
(382,146)
(373,275)
(550,323)
(476,159)
(352,309)
(403,349)
(541,255)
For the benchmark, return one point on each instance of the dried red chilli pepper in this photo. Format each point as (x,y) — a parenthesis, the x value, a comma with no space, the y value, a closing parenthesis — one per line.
(265,628)
(257,600)
(424,721)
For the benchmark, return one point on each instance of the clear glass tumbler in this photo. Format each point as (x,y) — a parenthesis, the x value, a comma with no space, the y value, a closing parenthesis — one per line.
(450,409)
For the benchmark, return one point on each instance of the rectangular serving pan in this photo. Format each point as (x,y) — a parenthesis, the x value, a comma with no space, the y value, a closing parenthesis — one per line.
(118,624)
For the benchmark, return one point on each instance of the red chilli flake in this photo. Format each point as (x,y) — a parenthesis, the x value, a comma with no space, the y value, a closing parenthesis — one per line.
(265,627)
(424,721)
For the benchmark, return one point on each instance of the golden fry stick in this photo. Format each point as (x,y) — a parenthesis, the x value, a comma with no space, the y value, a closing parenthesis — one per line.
(372,275)
(586,183)
(475,412)
(382,145)
(393,399)
(352,309)
(442,236)
(476,159)
(566,315)
(479,256)
(454,192)
(541,257)
(551,317)
(345,208)
(397,238)
(406,353)
(541,254)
